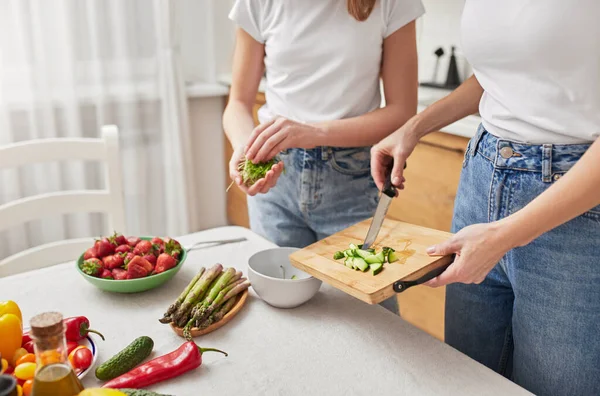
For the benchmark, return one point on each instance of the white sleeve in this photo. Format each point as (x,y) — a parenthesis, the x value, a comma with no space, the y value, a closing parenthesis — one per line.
(247,15)
(398,13)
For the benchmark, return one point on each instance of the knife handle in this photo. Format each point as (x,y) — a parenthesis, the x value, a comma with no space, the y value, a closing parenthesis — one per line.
(388,187)
(400,286)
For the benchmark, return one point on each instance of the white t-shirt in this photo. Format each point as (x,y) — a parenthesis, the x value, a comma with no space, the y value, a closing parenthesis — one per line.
(539,64)
(321,63)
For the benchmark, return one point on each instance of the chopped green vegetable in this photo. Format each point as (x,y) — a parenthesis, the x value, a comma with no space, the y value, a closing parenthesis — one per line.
(294,277)
(348,262)
(352,246)
(392,257)
(360,264)
(338,255)
(374,258)
(363,254)
(376,268)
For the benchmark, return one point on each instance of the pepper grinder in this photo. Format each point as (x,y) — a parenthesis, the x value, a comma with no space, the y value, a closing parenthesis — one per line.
(438,53)
(453,79)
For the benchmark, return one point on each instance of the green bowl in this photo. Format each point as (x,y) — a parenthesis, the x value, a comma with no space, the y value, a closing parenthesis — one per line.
(133,285)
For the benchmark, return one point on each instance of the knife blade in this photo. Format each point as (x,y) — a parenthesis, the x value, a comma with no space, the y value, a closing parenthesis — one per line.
(387,194)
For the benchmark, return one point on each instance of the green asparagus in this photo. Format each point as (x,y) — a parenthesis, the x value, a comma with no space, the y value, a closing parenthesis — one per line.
(181,317)
(175,306)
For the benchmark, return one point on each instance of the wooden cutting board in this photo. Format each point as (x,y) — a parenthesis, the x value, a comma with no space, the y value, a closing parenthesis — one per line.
(409,241)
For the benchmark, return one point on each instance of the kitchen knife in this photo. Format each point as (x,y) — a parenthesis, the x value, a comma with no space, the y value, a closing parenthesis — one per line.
(387,194)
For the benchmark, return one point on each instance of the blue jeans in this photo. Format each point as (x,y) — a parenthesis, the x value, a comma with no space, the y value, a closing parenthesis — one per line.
(322,191)
(536,317)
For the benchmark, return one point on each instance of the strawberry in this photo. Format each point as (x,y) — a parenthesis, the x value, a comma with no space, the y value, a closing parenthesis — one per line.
(128,258)
(173,242)
(123,249)
(92,267)
(143,247)
(119,239)
(164,262)
(90,253)
(133,241)
(119,274)
(106,274)
(114,261)
(104,248)
(157,241)
(142,262)
(151,259)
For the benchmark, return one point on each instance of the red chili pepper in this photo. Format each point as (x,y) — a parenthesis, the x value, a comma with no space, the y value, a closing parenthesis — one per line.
(29,347)
(185,358)
(26,339)
(77,328)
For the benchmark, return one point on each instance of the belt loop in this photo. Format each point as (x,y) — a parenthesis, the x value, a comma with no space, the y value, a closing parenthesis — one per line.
(547,163)
(325,151)
(480,131)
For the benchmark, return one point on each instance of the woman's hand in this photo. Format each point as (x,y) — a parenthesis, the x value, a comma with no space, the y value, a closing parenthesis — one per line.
(478,249)
(272,137)
(260,187)
(392,152)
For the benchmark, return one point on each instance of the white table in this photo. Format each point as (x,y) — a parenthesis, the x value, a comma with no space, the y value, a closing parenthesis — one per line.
(333,345)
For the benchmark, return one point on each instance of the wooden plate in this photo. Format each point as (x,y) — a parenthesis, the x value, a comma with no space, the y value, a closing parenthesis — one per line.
(196,332)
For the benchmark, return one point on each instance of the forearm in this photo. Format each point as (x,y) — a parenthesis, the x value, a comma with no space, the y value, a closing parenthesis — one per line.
(238,122)
(463,101)
(575,193)
(367,129)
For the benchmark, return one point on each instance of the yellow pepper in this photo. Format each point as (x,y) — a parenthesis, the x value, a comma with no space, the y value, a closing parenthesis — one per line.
(101,392)
(11,307)
(11,335)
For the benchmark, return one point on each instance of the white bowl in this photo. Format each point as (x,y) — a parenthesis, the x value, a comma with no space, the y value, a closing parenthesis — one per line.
(266,276)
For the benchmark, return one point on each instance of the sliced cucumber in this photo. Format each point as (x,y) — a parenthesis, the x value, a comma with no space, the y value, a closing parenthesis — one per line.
(349,253)
(348,262)
(360,264)
(373,259)
(376,268)
(338,255)
(352,246)
(392,257)
(381,257)
(363,254)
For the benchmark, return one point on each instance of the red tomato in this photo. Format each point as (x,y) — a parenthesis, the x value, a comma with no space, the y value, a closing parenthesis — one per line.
(26,338)
(81,358)
(29,347)
(70,346)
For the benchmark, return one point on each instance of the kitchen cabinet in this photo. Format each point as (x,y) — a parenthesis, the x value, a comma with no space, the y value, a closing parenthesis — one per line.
(432,176)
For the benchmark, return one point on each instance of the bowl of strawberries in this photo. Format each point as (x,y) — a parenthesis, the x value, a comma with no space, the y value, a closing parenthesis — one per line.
(131,264)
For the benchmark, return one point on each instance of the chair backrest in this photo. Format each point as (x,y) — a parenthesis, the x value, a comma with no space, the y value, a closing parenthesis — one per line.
(109,201)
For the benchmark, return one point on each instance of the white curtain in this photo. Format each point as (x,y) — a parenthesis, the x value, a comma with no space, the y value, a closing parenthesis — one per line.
(67,67)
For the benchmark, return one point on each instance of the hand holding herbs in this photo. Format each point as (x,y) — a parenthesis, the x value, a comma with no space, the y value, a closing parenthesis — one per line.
(253,178)
(365,260)
(206,299)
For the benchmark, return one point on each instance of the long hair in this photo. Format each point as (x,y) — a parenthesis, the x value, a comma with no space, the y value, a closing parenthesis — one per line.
(361,9)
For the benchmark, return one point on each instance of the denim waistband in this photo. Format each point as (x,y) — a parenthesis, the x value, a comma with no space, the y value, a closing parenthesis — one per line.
(547,159)
(323,153)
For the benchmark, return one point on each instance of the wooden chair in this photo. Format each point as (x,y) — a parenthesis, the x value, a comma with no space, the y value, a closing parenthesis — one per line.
(109,201)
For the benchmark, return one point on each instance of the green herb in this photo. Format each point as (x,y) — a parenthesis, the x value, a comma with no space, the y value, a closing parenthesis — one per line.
(251,172)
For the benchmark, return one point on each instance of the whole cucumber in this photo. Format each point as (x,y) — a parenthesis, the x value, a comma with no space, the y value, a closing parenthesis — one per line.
(140,392)
(127,359)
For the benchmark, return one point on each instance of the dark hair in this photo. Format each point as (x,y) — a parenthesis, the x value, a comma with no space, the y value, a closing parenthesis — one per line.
(361,9)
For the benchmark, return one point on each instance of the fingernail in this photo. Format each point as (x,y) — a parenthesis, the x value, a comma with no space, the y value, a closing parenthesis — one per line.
(430,250)
(396,181)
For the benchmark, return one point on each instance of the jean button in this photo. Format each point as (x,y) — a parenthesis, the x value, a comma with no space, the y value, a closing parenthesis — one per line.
(556,176)
(506,152)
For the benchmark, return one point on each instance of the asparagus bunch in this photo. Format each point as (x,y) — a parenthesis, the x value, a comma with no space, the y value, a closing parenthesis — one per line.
(197,293)
(175,306)
(220,293)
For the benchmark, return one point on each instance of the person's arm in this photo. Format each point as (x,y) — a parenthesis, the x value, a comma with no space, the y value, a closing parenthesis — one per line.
(480,246)
(395,149)
(237,119)
(400,83)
